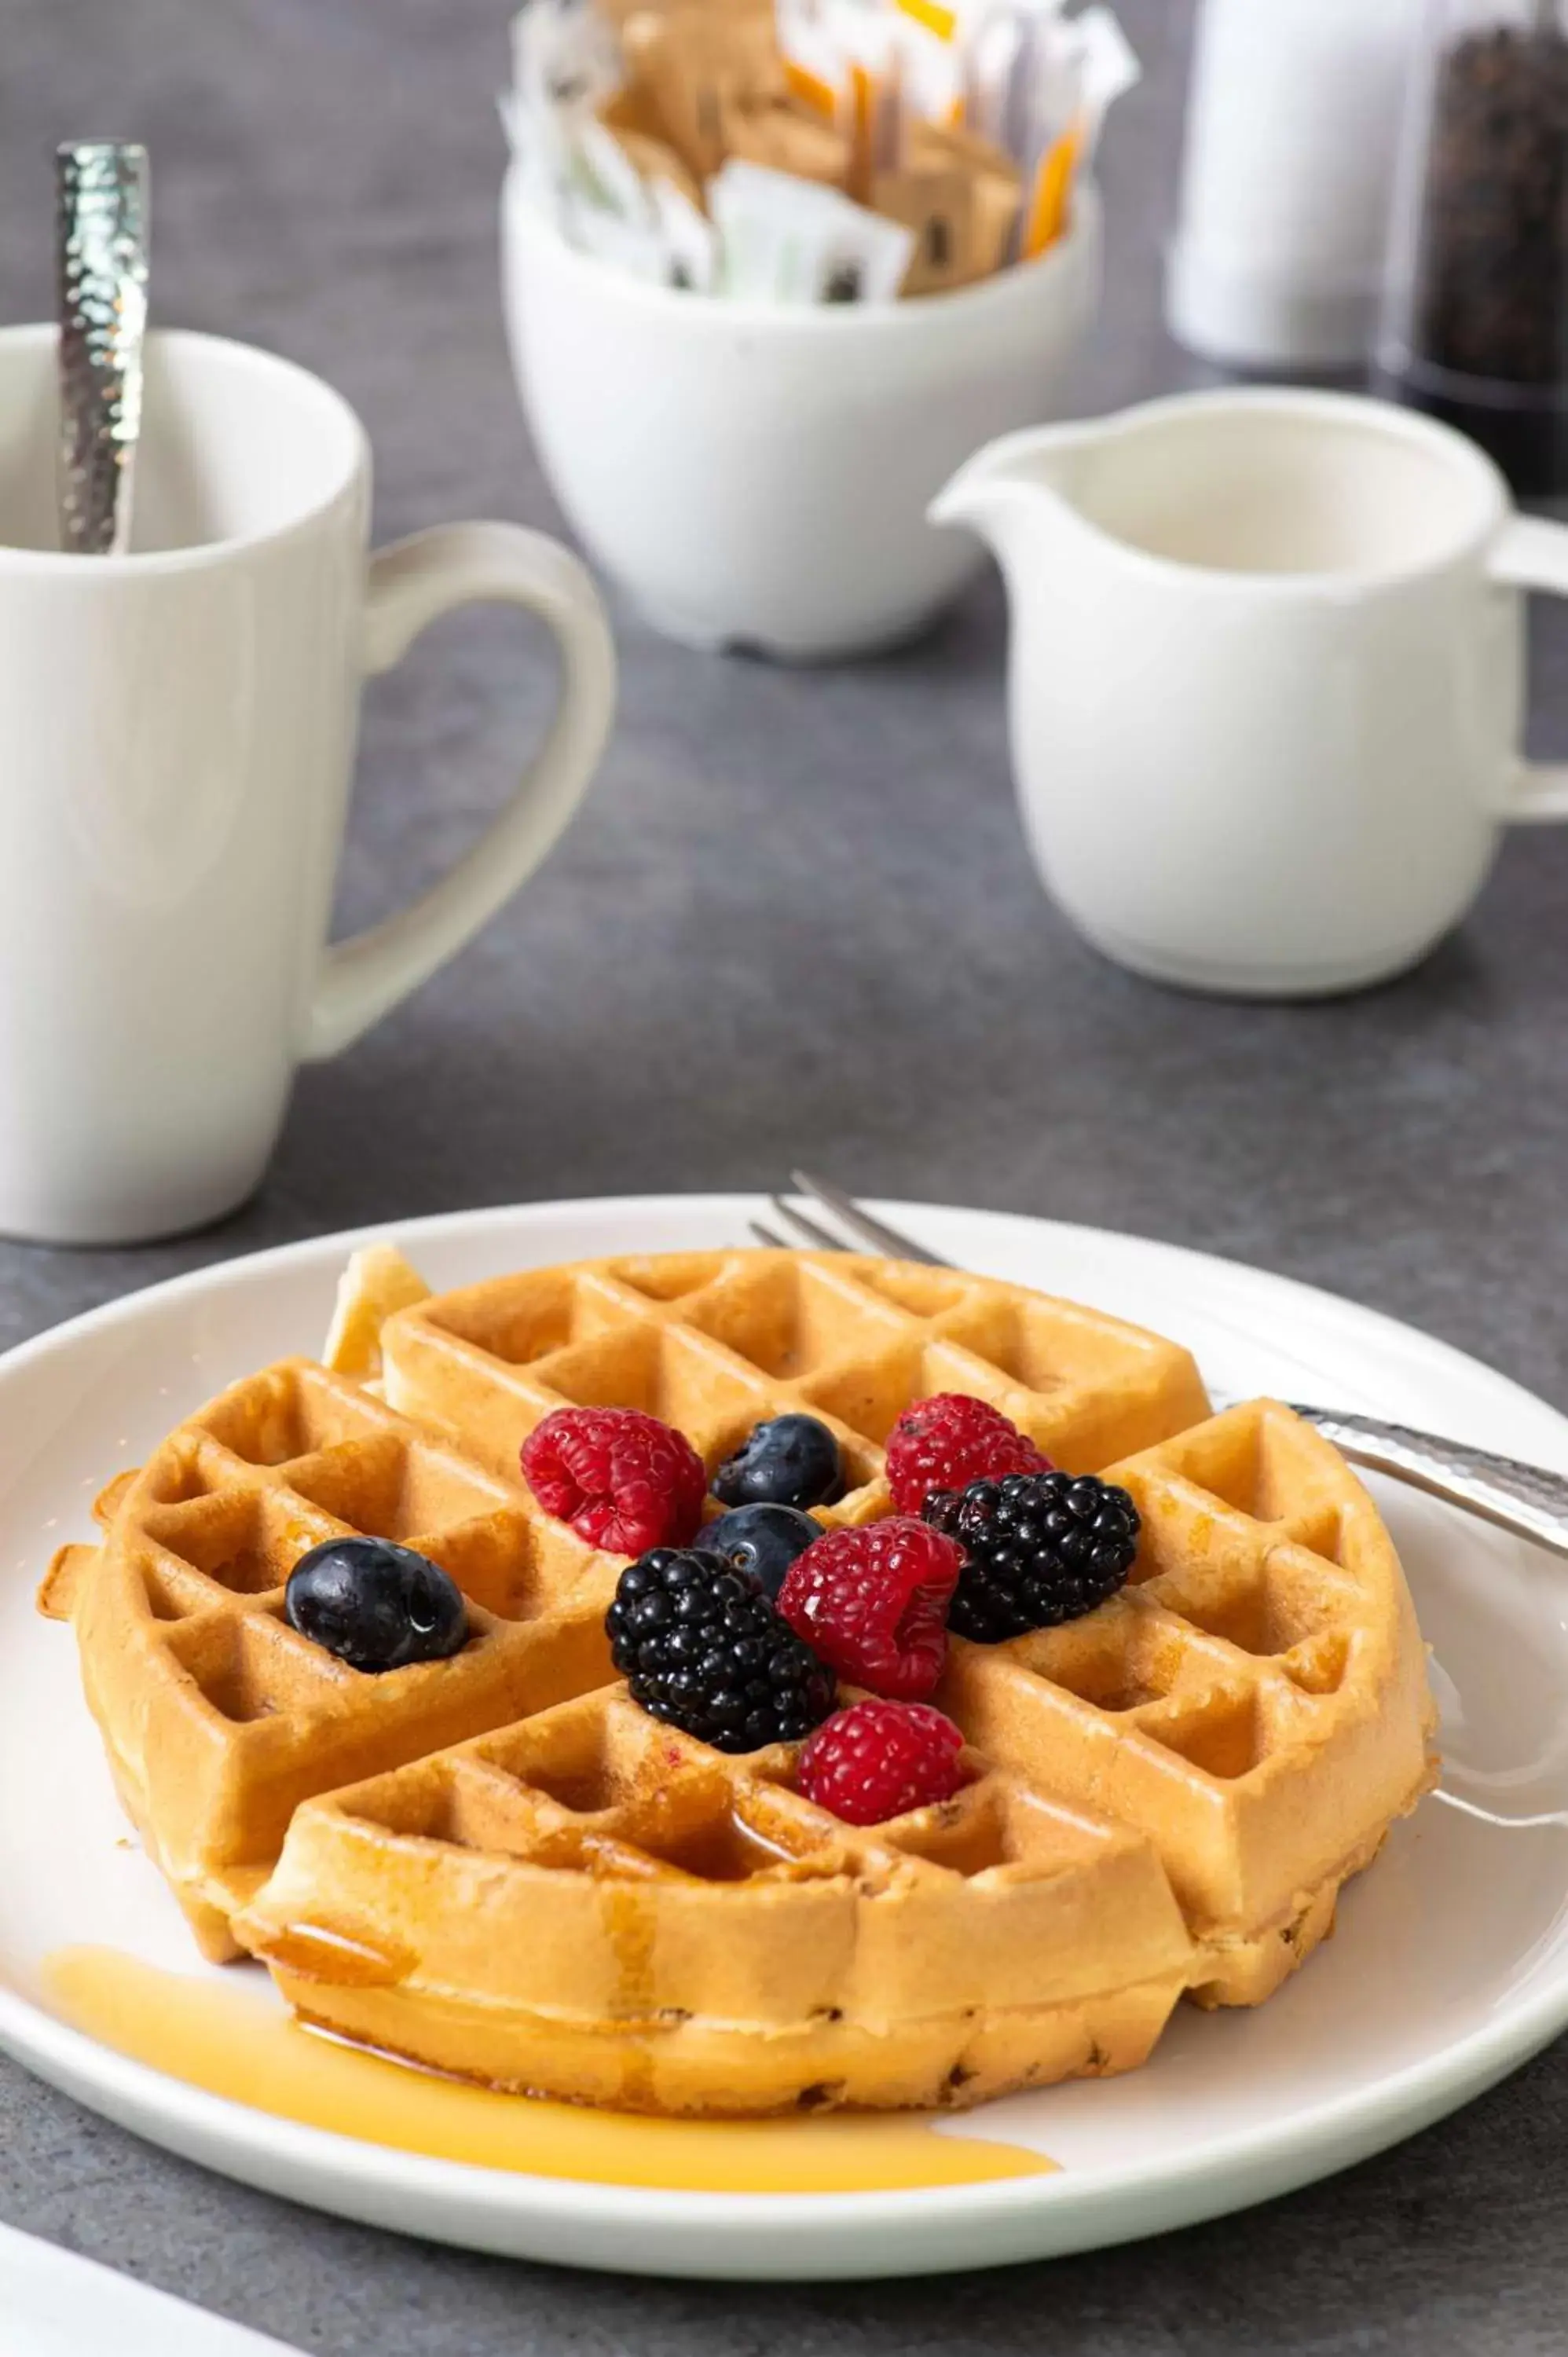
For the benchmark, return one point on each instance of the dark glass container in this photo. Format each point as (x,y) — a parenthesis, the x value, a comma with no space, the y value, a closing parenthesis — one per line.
(1475,323)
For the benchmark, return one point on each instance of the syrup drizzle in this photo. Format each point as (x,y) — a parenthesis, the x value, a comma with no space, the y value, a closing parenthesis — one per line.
(229,2037)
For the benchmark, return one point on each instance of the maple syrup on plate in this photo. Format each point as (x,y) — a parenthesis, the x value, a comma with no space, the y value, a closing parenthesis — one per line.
(230,2038)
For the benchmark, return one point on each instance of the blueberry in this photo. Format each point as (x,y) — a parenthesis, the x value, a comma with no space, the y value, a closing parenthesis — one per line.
(376,1605)
(760,1542)
(791,1460)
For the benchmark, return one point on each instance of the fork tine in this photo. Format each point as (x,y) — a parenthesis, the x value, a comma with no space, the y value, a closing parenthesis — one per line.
(820,1236)
(766,1236)
(861,1223)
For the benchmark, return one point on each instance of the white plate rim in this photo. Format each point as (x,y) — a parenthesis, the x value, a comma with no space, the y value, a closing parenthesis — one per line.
(797,2235)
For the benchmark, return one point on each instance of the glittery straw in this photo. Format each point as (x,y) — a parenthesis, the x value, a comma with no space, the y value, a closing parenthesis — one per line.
(102,262)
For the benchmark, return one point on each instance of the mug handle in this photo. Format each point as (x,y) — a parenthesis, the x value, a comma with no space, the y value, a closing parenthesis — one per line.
(1532,554)
(411,582)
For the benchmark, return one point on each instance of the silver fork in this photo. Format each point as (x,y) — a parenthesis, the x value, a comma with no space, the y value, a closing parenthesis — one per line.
(1526,1499)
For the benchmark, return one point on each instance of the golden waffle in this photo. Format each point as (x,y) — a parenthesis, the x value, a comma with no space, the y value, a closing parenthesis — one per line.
(574,1899)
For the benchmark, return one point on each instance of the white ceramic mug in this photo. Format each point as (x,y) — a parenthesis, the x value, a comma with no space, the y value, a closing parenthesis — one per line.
(757,475)
(1265,682)
(177,730)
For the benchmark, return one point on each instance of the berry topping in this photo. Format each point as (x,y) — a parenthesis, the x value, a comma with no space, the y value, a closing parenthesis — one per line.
(878,1760)
(760,1542)
(1039,1548)
(376,1605)
(790,1461)
(622,1480)
(874,1602)
(950,1441)
(703,1651)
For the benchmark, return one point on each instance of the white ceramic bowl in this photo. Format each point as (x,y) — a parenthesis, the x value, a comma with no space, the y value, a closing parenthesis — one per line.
(758,476)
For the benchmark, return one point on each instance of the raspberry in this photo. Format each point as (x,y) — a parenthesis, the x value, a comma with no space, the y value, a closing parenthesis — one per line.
(878,1760)
(951,1440)
(874,1602)
(622,1480)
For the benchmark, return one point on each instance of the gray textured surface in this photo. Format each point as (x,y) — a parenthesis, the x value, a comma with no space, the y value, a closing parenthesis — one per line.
(796,921)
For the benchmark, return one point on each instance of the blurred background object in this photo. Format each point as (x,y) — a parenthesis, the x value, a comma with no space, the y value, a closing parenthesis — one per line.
(1294,111)
(1476,325)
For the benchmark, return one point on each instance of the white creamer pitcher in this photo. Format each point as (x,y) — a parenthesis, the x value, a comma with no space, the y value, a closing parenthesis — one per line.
(1265,679)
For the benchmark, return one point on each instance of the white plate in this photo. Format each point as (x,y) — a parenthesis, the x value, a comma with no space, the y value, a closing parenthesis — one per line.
(1450,1967)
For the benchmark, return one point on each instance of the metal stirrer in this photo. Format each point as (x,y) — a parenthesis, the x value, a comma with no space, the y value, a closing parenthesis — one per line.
(100,223)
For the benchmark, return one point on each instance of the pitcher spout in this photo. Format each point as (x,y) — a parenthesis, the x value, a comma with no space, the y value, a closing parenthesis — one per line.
(1011,477)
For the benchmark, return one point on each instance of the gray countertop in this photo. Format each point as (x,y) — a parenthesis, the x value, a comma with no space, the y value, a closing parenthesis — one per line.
(795,922)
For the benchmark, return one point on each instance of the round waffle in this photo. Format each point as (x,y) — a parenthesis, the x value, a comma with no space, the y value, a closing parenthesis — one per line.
(497,1866)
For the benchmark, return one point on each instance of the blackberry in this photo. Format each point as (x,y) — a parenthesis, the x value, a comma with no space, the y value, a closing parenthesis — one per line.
(1039,1548)
(702,1648)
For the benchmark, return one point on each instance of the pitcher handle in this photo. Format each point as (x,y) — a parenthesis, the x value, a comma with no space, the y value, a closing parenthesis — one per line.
(1532,554)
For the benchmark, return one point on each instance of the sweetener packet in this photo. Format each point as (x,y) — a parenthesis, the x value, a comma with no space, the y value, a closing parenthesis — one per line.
(819,41)
(786,136)
(1102,65)
(925,37)
(692,248)
(564,59)
(565,56)
(608,173)
(788,241)
(1108,67)
(1019,83)
(962,196)
(632,202)
(679,247)
(541,152)
(631,108)
(841,61)
(627,161)
(632,247)
(620,11)
(696,62)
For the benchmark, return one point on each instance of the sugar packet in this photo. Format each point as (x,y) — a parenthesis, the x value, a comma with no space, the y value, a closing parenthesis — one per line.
(788,241)
(565,58)
(697,59)
(631,200)
(1099,64)
(961,197)
(781,132)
